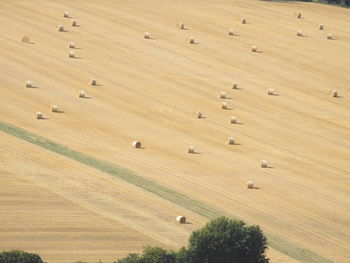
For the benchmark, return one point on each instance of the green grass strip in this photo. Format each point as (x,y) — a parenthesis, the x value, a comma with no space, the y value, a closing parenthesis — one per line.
(300,254)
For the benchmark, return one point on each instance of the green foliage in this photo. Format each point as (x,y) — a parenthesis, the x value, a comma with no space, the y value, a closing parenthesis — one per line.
(16,256)
(131,258)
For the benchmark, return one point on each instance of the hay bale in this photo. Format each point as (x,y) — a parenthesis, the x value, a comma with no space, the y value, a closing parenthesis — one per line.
(298,15)
(320,27)
(190,149)
(136,144)
(146,35)
(222,94)
(230,140)
(233,119)
(198,114)
(60,28)
(243,20)
(333,93)
(224,105)
(71,54)
(181,25)
(264,163)
(181,219)
(92,82)
(250,184)
(329,36)
(29,84)
(270,91)
(54,108)
(231,32)
(299,33)
(71,45)
(25,39)
(65,14)
(39,115)
(82,94)
(191,40)
(234,85)
(254,49)
(73,22)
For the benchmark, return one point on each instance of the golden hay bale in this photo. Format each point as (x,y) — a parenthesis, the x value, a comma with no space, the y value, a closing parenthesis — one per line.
(298,15)
(230,140)
(65,14)
(191,40)
(243,20)
(224,105)
(146,35)
(329,36)
(190,149)
(60,28)
(29,84)
(54,108)
(222,94)
(181,25)
(231,32)
(73,22)
(82,94)
(71,45)
(71,54)
(333,93)
(181,219)
(39,115)
(198,114)
(320,27)
(254,49)
(250,184)
(92,82)
(270,91)
(299,33)
(233,119)
(25,39)
(264,163)
(136,144)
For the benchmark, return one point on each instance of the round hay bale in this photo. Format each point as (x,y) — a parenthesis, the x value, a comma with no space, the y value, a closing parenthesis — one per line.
(250,184)
(231,32)
(243,20)
(82,94)
(224,105)
(73,22)
(181,219)
(54,108)
(181,25)
(71,45)
(60,28)
(264,163)
(71,54)
(29,84)
(320,27)
(222,94)
(198,114)
(299,33)
(136,144)
(25,39)
(334,93)
(233,119)
(234,85)
(39,115)
(254,49)
(329,36)
(230,140)
(270,91)
(191,40)
(65,14)
(93,82)
(190,149)
(298,15)
(146,35)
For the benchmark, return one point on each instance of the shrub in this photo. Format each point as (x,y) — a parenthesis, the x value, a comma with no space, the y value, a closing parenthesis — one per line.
(16,256)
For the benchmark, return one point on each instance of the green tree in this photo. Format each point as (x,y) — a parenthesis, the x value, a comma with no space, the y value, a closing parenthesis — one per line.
(131,258)
(16,256)
(157,255)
